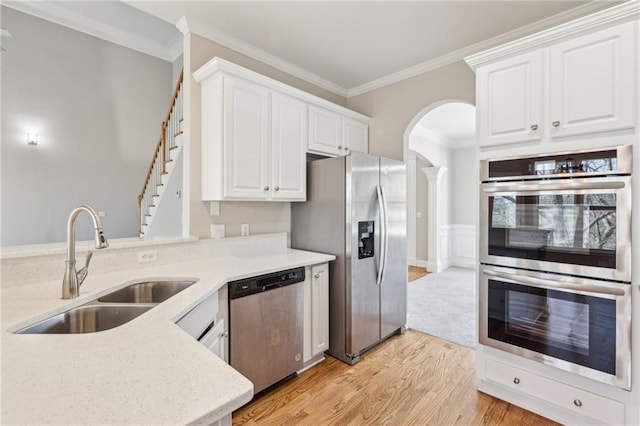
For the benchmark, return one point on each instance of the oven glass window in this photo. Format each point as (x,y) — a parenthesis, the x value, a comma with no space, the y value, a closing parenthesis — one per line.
(567,228)
(576,328)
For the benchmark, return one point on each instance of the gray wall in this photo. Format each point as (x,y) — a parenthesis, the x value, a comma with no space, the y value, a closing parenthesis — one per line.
(97,108)
(463,184)
(393,107)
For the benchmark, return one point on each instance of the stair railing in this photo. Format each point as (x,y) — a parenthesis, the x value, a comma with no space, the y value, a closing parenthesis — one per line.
(169,130)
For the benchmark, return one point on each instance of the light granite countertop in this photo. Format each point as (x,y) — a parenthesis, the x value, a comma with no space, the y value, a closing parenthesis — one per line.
(147,371)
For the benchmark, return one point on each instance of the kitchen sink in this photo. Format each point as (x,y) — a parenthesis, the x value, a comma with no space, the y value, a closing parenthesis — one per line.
(86,319)
(146,292)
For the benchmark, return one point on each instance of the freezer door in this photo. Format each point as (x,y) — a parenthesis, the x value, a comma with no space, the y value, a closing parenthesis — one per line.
(363,293)
(393,290)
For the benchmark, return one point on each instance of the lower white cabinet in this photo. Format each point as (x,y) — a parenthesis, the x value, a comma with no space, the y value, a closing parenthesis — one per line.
(316,311)
(566,397)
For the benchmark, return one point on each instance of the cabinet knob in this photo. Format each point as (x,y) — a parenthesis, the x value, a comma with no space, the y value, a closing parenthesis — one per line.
(266,188)
(577,403)
(555,124)
(346,149)
(534,127)
(316,276)
(339,146)
(224,334)
(277,188)
(516,380)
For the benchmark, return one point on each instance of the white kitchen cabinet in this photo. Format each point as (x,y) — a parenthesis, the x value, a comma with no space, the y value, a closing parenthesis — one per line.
(316,311)
(290,132)
(325,131)
(355,135)
(510,95)
(253,142)
(569,398)
(585,85)
(591,81)
(246,140)
(334,134)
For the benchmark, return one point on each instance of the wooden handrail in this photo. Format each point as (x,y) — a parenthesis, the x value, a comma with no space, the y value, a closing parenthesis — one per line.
(161,147)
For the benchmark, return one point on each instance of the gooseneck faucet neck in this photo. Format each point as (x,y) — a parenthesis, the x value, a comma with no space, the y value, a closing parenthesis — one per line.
(73,279)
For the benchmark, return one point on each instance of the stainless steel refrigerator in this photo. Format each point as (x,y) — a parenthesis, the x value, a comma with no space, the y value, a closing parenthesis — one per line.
(356,210)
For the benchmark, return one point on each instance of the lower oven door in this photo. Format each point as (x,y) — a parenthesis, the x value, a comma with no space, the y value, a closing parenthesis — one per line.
(579,325)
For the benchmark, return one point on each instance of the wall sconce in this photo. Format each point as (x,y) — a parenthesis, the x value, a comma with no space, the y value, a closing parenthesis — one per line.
(32,139)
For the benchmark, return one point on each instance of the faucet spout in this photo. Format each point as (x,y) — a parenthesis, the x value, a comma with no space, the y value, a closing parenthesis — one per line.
(73,279)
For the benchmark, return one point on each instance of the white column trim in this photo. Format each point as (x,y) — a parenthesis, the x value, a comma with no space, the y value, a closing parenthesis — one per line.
(434,219)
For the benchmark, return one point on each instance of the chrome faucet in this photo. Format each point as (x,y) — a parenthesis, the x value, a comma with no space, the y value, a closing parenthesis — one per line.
(72,279)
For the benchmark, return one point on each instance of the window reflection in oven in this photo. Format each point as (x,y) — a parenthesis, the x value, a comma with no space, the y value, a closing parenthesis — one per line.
(563,324)
(572,228)
(576,328)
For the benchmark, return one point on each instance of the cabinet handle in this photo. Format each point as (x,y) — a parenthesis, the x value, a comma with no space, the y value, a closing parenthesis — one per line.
(316,276)
(339,146)
(266,188)
(534,127)
(224,334)
(555,124)
(577,403)
(277,188)
(516,380)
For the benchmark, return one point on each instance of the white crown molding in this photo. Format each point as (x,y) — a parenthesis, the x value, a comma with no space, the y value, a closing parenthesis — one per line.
(218,66)
(460,54)
(49,11)
(188,24)
(617,14)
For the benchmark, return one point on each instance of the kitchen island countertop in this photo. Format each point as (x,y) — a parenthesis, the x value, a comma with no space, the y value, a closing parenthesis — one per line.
(147,371)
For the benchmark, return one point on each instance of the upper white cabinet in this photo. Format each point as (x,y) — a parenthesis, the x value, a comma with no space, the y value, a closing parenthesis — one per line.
(591,81)
(290,131)
(510,100)
(256,132)
(325,131)
(246,141)
(582,85)
(334,134)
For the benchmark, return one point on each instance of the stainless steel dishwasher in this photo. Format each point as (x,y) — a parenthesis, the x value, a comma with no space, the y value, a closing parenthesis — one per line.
(265,326)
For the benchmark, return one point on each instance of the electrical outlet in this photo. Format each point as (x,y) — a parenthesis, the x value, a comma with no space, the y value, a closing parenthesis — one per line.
(418,215)
(217,231)
(102,214)
(244,229)
(147,255)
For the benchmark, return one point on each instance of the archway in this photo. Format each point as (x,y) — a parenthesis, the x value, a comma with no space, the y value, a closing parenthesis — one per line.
(430,136)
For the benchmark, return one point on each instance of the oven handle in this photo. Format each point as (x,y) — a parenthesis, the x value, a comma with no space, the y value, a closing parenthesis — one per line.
(555,186)
(541,282)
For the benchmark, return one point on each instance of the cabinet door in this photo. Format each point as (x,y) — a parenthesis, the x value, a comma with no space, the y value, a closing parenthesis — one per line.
(214,340)
(325,131)
(509,97)
(246,133)
(290,133)
(592,82)
(319,308)
(355,135)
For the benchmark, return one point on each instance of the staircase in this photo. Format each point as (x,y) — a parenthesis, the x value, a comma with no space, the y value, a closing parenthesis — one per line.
(165,156)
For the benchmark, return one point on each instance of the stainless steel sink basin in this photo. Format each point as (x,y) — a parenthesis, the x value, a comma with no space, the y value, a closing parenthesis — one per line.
(146,292)
(86,319)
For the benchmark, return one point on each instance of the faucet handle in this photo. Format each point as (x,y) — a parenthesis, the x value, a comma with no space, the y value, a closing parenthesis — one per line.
(82,273)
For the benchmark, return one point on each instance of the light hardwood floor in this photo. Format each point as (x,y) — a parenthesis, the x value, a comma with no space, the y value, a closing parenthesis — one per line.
(412,379)
(416,272)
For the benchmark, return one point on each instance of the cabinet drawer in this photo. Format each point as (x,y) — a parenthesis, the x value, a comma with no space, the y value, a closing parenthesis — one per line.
(196,320)
(567,397)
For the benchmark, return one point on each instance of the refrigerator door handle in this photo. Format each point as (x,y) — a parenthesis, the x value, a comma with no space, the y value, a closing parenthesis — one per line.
(382,206)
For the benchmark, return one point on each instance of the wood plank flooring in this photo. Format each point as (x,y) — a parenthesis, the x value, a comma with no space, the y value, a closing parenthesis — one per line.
(416,272)
(411,379)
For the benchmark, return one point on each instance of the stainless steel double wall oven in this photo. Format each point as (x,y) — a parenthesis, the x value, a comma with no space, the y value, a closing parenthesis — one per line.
(555,260)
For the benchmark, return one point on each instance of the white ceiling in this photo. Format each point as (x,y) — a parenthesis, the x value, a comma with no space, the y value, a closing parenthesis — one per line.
(353,44)
(347,47)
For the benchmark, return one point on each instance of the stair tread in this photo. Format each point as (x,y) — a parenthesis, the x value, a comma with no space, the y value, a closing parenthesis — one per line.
(178,134)
(174,147)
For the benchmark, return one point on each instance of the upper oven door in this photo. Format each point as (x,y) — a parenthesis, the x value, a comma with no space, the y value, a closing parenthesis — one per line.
(571,226)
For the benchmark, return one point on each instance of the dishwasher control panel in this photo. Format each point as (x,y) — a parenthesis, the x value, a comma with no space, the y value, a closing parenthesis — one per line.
(248,286)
